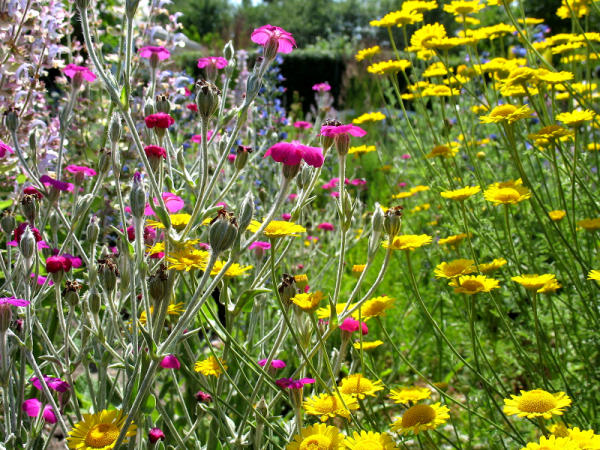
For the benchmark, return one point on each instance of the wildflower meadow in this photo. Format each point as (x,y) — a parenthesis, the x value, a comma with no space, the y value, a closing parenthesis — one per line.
(202,249)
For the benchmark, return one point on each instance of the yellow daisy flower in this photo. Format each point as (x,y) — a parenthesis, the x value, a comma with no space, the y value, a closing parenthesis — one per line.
(361,149)
(419,6)
(369,117)
(461,8)
(178,221)
(367,53)
(358,386)
(453,240)
(390,66)
(421,417)
(576,118)
(174,309)
(507,193)
(585,439)
(308,302)
(473,284)
(210,366)
(419,188)
(374,307)
(536,403)
(552,443)
(318,436)
(461,194)
(557,215)
(328,406)
(506,113)
(594,275)
(367,345)
(323,313)
(357,269)
(427,33)
(407,395)
(408,242)
(590,224)
(277,228)
(188,259)
(370,440)
(492,266)
(534,282)
(454,268)
(446,151)
(235,270)
(99,431)
(405,194)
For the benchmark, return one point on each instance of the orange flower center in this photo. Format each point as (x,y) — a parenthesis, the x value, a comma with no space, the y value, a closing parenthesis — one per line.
(316,442)
(508,195)
(503,111)
(536,401)
(472,285)
(418,415)
(368,444)
(101,435)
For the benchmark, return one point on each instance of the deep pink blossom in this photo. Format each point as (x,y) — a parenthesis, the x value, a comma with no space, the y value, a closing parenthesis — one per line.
(32,408)
(192,107)
(292,153)
(275,364)
(260,244)
(231,157)
(286,216)
(216,61)
(40,280)
(18,232)
(326,226)
(331,184)
(159,120)
(170,362)
(149,234)
(335,194)
(356,182)
(292,197)
(155,434)
(55,264)
(13,301)
(85,171)
(322,87)
(302,124)
(351,325)
(154,151)
(160,52)
(289,383)
(56,184)
(4,149)
(269,35)
(53,383)
(402,184)
(30,190)
(71,70)
(173,203)
(197,138)
(349,129)
(405,156)
(203,397)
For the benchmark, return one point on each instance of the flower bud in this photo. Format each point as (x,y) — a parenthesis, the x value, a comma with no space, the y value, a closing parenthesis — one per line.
(158,285)
(253,85)
(303,180)
(114,129)
(289,172)
(131,7)
(108,272)
(342,144)
(271,47)
(94,301)
(149,108)
(93,230)
(8,222)
(11,120)
(246,212)
(104,160)
(203,397)
(229,51)
(33,143)
(163,104)
(207,99)
(223,231)
(287,289)
(377,219)
(155,435)
(71,293)
(27,244)
(392,222)
(137,197)
(29,207)
(241,157)
(5,317)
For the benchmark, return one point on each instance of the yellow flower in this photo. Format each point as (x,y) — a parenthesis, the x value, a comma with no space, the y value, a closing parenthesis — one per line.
(550,134)
(99,430)
(473,284)
(308,302)
(428,32)
(399,18)
(406,395)
(235,270)
(549,77)
(367,345)
(358,386)
(187,259)
(585,439)
(461,194)
(421,417)
(593,147)
(454,268)
(507,193)
(318,436)
(536,403)
(493,266)
(590,224)
(328,406)
(174,309)
(408,242)
(419,6)
(576,118)
(437,69)
(534,282)
(419,188)
(506,113)
(455,239)
(461,8)
(552,443)
(361,149)
(375,307)
(559,429)
(370,440)
(358,268)
(178,221)
(210,366)
(550,288)
(390,66)
(367,53)
(404,194)
(594,275)
(447,151)
(369,117)
(324,313)
(277,228)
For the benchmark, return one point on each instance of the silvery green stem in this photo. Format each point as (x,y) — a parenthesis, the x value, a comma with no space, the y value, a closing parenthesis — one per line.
(342,215)
(128,48)
(140,265)
(19,153)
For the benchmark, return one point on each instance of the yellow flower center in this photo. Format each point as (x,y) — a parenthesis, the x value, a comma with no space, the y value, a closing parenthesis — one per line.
(316,442)
(418,415)
(508,195)
(536,401)
(101,435)
(472,285)
(503,111)
(368,444)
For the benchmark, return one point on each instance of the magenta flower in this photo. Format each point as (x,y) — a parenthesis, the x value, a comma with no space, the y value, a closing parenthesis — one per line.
(56,184)
(286,216)
(71,70)
(170,362)
(84,171)
(289,383)
(321,87)
(405,156)
(292,197)
(159,120)
(4,149)
(197,138)
(349,129)
(13,301)
(173,203)
(302,124)
(292,153)
(325,226)
(331,184)
(18,232)
(192,107)
(231,157)
(402,184)
(30,190)
(203,397)
(150,50)
(356,182)
(32,408)
(275,364)
(217,62)
(55,264)
(40,280)
(350,325)
(155,434)
(53,383)
(272,37)
(261,245)
(154,151)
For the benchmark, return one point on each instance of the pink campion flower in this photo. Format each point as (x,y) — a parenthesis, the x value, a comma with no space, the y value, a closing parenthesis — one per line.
(218,62)
(356,182)
(349,129)
(84,171)
(30,190)
(170,362)
(40,280)
(406,156)
(5,149)
(289,383)
(203,397)
(231,157)
(149,235)
(76,261)
(13,301)
(402,184)
(56,264)
(322,87)
(173,202)
(335,194)
(292,153)
(18,232)
(286,216)
(192,107)
(350,325)
(33,406)
(159,120)
(331,184)
(158,52)
(72,70)
(302,124)
(326,226)
(155,434)
(56,384)
(260,244)
(292,197)
(56,184)
(187,91)
(197,138)
(275,364)
(154,151)
(274,40)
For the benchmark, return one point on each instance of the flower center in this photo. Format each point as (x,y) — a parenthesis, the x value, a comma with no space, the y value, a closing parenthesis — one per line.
(504,111)
(316,442)
(418,415)
(368,444)
(101,435)
(472,285)
(508,195)
(536,401)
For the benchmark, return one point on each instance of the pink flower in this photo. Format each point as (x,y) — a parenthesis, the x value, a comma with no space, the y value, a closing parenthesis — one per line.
(55,264)
(154,151)
(71,70)
(76,262)
(18,232)
(159,120)
(41,280)
(292,197)
(275,364)
(260,244)
(322,87)
(231,157)
(203,397)
(13,301)
(286,216)
(30,190)
(357,182)
(302,124)
(270,36)
(406,156)
(4,149)
(335,194)
(160,52)
(197,138)
(170,362)
(216,61)
(289,383)
(350,325)
(53,383)
(32,408)
(402,184)
(192,107)
(349,129)
(155,434)
(173,203)
(292,153)
(325,226)
(331,184)
(85,171)
(56,184)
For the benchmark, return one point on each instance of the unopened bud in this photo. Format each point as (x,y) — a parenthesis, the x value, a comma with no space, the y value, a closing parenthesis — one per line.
(8,222)
(148,107)
(5,317)
(157,285)
(287,289)
(163,104)
(71,293)
(342,144)
(104,160)
(229,51)
(11,120)
(29,207)
(223,231)
(33,143)
(208,98)
(27,244)
(137,198)
(93,230)
(377,219)
(241,157)
(108,272)
(253,85)
(392,222)
(131,7)
(114,129)
(94,301)
(303,180)
(246,212)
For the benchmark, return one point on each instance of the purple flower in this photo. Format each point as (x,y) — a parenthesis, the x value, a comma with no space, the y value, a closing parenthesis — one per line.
(40,280)
(155,434)
(32,408)
(56,184)
(321,87)
(160,52)
(292,153)
(14,301)
(170,362)
(4,149)
(289,383)
(333,130)
(53,383)
(216,61)
(270,36)
(275,364)
(85,171)
(71,70)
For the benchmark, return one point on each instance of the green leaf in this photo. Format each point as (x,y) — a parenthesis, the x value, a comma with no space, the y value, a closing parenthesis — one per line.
(149,405)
